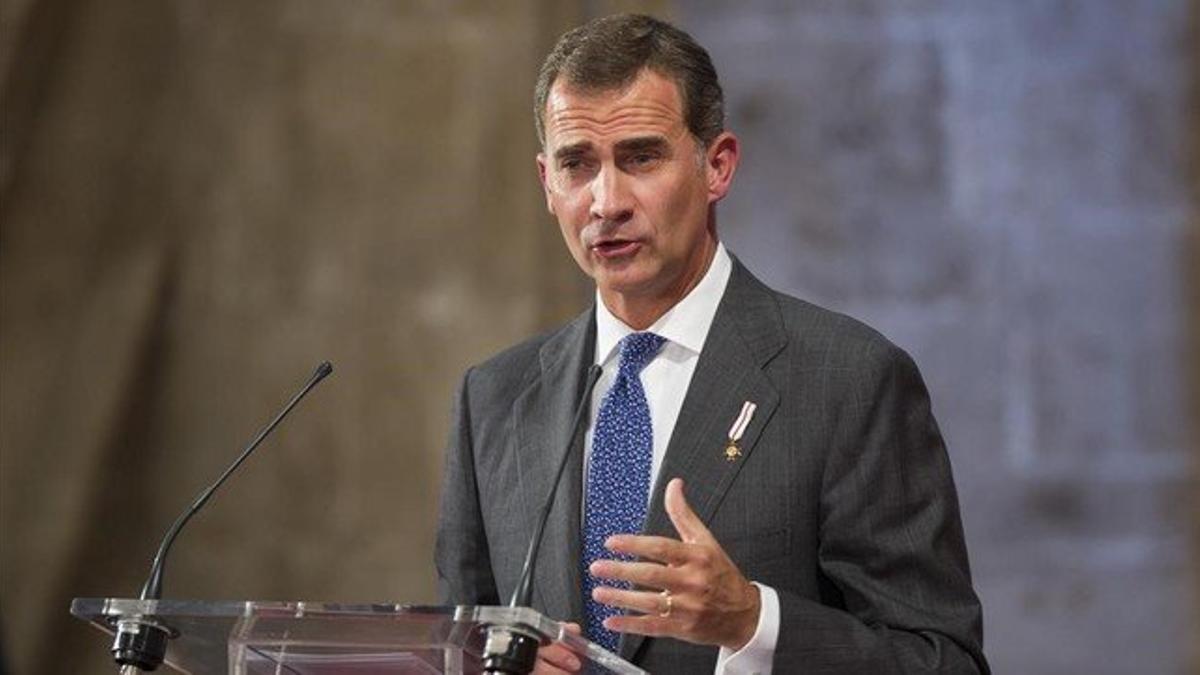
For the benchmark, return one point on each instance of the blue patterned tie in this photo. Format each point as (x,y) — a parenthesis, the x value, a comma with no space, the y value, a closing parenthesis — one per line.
(618,480)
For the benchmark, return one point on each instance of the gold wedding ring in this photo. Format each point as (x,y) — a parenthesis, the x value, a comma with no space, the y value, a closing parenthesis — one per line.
(666,612)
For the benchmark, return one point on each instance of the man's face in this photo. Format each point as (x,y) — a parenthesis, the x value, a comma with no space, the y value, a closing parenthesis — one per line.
(631,188)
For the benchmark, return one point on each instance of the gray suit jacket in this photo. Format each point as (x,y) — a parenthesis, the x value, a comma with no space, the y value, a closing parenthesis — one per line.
(842,500)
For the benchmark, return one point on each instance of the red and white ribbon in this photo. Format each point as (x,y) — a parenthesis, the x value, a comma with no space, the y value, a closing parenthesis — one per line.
(742,421)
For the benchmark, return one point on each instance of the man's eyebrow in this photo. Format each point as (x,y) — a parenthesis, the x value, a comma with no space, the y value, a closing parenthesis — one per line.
(642,143)
(573,149)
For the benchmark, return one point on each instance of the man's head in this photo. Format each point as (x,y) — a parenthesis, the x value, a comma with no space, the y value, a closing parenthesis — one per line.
(634,158)
(608,53)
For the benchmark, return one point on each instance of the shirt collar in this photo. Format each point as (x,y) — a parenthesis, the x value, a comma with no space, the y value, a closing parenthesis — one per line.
(686,324)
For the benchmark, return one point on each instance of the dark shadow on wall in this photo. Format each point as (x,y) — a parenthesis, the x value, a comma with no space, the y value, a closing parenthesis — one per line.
(39,43)
(105,551)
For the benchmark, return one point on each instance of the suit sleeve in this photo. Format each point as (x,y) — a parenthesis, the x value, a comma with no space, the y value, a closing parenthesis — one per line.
(891,546)
(464,566)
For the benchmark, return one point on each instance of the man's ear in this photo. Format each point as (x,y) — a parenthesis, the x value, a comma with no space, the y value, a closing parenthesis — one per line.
(720,163)
(541,166)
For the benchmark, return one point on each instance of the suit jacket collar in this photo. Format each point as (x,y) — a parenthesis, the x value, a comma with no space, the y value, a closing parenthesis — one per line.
(747,333)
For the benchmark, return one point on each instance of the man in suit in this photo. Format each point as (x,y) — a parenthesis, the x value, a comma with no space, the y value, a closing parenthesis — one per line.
(761,486)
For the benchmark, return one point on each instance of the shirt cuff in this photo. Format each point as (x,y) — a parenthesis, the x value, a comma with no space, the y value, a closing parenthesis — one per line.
(756,656)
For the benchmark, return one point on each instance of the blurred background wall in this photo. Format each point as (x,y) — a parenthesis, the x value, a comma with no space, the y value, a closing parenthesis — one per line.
(202,199)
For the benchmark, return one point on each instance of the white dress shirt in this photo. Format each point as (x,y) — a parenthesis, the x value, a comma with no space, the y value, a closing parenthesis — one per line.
(665,380)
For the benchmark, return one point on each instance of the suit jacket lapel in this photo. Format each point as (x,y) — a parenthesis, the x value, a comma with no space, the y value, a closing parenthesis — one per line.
(746,333)
(542,419)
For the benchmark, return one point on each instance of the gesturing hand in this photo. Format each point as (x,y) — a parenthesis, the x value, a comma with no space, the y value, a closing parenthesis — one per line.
(687,589)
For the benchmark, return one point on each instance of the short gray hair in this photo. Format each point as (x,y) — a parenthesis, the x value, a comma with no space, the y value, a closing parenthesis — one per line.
(610,52)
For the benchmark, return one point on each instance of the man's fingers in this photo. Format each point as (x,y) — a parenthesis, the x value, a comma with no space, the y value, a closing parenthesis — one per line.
(554,659)
(661,549)
(648,574)
(646,624)
(685,520)
(646,602)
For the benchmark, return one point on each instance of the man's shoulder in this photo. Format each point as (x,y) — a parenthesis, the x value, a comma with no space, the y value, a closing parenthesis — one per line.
(523,361)
(516,358)
(840,338)
(814,322)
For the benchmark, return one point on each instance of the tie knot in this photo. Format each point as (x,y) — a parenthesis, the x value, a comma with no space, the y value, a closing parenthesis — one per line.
(637,349)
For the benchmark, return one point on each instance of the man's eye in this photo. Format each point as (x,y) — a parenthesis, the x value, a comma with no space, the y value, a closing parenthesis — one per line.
(643,159)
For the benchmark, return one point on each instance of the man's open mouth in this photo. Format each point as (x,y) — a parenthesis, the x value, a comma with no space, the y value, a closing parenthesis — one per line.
(614,248)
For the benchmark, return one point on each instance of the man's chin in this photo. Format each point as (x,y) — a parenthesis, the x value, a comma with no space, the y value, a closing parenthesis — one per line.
(627,282)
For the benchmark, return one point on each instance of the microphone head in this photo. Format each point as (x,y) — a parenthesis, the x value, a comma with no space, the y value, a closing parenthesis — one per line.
(323,370)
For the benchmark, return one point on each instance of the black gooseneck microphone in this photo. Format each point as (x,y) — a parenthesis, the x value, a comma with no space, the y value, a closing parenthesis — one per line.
(511,649)
(524,590)
(141,644)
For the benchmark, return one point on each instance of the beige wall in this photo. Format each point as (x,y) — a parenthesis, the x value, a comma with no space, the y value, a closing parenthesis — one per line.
(201,201)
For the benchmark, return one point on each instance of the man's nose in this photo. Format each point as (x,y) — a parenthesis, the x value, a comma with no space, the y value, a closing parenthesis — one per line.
(611,199)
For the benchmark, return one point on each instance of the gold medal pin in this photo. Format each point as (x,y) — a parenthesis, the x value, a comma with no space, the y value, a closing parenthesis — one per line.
(732,451)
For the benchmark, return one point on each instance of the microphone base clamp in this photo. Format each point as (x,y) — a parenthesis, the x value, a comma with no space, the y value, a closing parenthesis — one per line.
(510,650)
(140,643)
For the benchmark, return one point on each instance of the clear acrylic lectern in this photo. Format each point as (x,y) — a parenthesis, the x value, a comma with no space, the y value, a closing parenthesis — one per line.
(314,638)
